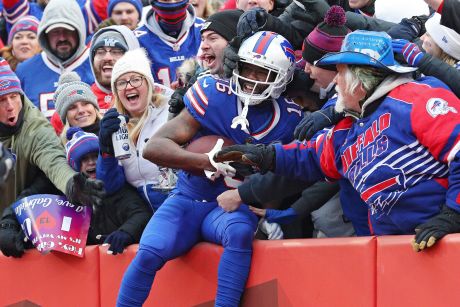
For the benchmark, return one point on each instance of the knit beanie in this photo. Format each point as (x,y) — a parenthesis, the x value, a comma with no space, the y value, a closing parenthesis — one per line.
(9,82)
(447,39)
(223,23)
(79,144)
(132,61)
(109,38)
(137,4)
(26,23)
(327,36)
(71,90)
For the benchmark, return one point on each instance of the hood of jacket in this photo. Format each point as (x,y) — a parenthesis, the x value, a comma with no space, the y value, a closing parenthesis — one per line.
(129,37)
(62,11)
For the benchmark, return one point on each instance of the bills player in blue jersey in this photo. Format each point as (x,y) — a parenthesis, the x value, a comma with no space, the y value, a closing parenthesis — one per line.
(62,38)
(248,109)
(398,147)
(170,35)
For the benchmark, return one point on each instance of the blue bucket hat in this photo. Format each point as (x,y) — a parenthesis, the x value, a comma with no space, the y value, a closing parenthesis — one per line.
(366,48)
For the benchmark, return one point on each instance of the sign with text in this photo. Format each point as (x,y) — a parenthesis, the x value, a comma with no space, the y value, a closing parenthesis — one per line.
(51,222)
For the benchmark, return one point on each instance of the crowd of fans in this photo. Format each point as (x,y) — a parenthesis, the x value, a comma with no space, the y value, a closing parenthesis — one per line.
(343,115)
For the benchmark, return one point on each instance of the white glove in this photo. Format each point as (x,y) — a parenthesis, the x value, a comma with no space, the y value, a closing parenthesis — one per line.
(272,230)
(222,168)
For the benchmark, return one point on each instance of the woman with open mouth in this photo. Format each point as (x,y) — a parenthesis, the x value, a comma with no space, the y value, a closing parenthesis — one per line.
(145,112)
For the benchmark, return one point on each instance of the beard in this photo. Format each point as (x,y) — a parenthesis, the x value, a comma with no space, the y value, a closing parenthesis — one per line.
(339,104)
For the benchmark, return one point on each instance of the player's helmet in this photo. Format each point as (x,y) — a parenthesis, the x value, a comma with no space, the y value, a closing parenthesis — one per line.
(272,52)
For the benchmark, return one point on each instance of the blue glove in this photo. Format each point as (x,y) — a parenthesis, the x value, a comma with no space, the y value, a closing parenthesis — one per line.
(311,123)
(280,216)
(251,21)
(110,123)
(410,51)
(118,240)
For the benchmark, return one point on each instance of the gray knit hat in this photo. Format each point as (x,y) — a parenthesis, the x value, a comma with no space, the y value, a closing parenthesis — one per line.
(70,90)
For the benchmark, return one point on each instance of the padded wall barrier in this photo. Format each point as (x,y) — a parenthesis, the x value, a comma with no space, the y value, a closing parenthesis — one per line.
(365,271)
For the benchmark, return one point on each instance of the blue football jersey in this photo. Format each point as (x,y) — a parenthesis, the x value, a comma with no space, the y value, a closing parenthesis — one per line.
(214,106)
(39,79)
(167,56)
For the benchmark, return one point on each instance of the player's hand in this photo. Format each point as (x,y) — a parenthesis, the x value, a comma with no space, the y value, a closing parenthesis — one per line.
(229,200)
(221,168)
(261,157)
(447,221)
(272,230)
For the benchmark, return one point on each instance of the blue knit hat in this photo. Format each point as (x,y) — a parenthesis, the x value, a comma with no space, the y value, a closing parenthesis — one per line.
(137,4)
(79,144)
(9,82)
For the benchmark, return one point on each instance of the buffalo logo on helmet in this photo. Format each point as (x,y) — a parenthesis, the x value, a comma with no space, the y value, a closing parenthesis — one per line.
(438,106)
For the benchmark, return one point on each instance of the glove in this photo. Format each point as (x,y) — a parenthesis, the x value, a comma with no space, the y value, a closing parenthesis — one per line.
(272,230)
(6,163)
(85,191)
(231,57)
(409,28)
(221,168)
(311,123)
(280,216)
(426,234)
(11,238)
(109,124)
(410,51)
(118,240)
(261,157)
(176,102)
(251,22)
(316,9)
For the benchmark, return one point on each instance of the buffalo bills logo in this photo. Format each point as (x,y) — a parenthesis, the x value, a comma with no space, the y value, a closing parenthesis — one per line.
(438,106)
(75,92)
(288,51)
(4,84)
(125,146)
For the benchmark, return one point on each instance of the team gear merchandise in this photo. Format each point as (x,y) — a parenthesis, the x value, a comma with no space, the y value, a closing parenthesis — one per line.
(167,53)
(403,158)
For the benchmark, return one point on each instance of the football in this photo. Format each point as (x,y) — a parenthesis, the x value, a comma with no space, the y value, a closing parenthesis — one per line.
(205,144)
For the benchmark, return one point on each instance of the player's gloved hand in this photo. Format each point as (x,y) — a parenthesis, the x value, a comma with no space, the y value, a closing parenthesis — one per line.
(261,157)
(118,240)
(109,124)
(313,122)
(251,22)
(11,238)
(222,168)
(426,234)
(410,51)
(6,163)
(231,57)
(272,230)
(281,216)
(85,191)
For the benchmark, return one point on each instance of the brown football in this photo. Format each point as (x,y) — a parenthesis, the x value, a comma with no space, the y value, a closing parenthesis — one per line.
(205,144)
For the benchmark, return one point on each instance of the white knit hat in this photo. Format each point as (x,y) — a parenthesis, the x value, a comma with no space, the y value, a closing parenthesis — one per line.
(447,39)
(132,61)
(396,10)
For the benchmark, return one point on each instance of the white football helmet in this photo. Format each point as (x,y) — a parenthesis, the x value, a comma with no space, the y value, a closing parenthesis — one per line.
(272,52)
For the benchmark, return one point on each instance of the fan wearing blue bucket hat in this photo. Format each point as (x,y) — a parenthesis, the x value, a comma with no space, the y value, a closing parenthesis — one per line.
(398,147)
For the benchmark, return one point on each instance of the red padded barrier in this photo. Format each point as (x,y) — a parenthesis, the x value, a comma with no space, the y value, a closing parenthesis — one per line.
(52,280)
(315,272)
(428,278)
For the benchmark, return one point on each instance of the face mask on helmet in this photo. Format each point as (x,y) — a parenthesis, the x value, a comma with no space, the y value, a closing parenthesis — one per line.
(265,68)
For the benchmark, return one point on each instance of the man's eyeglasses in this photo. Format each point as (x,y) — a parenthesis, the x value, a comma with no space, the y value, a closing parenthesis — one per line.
(115,52)
(134,82)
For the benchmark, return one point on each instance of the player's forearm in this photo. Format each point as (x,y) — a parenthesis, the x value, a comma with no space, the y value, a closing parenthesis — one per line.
(165,152)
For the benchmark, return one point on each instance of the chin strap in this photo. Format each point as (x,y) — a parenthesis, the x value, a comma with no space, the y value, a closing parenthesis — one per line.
(241,119)
(222,168)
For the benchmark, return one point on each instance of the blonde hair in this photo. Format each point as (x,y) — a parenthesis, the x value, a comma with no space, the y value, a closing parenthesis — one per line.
(135,124)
